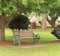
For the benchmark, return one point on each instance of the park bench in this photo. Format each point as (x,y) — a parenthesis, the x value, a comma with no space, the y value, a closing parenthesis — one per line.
(18,35)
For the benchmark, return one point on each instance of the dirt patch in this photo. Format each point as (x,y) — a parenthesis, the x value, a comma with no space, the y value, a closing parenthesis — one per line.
(23,44)
(6,43)
(28,45)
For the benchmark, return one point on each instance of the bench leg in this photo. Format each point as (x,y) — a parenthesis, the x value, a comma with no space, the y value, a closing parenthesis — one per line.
(14,41)
(17,40)
(33,41)
(38,39)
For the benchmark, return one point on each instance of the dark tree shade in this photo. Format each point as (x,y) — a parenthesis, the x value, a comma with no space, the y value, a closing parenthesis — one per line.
(56,32)
(19,22)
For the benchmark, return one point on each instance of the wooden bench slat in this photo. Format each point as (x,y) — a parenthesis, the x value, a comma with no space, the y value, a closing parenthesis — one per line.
(26,34)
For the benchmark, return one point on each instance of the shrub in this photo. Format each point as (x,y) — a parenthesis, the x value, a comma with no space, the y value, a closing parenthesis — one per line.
(19,22)
(56,32)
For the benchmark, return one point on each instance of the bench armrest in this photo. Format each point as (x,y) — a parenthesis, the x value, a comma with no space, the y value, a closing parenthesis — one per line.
(37,36)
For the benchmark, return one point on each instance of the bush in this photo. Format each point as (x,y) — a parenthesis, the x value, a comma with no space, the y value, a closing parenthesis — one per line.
(56,32)
(19,22)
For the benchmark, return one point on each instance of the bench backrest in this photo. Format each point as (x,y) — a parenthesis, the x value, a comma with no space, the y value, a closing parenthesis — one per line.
(26,34)
(15,32)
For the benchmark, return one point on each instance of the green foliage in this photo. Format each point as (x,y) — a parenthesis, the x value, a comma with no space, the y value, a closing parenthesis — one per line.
(56,32)
(54,9)
(11,6)
(7,7)
(40,6)
(19,22)
(45,6)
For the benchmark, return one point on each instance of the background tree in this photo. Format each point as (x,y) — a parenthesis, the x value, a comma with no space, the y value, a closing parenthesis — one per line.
(54,13)
(47,7)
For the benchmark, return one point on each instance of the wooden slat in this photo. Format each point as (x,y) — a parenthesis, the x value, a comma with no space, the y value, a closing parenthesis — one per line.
(26,34)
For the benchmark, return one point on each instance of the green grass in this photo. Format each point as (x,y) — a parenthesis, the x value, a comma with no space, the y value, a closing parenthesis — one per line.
(50,49)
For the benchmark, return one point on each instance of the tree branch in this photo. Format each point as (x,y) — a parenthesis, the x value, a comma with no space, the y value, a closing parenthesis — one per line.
(9,20)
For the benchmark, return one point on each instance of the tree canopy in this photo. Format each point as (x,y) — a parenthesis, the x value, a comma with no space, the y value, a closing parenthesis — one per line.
(44,6)
(11,7)
(19,22)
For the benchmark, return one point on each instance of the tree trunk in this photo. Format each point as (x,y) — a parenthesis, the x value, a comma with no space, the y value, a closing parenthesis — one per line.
(52,22)
(3,24)
(2,34)
(2,28)
(44,21)
(9,20)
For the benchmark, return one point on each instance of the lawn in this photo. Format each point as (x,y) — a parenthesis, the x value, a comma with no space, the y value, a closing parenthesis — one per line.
(50,48)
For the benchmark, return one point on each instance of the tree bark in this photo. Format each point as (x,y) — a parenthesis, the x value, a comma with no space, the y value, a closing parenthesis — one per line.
(52,21)
(9,20)
(44,21)
(2,34)
(2,28)
(2,24)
